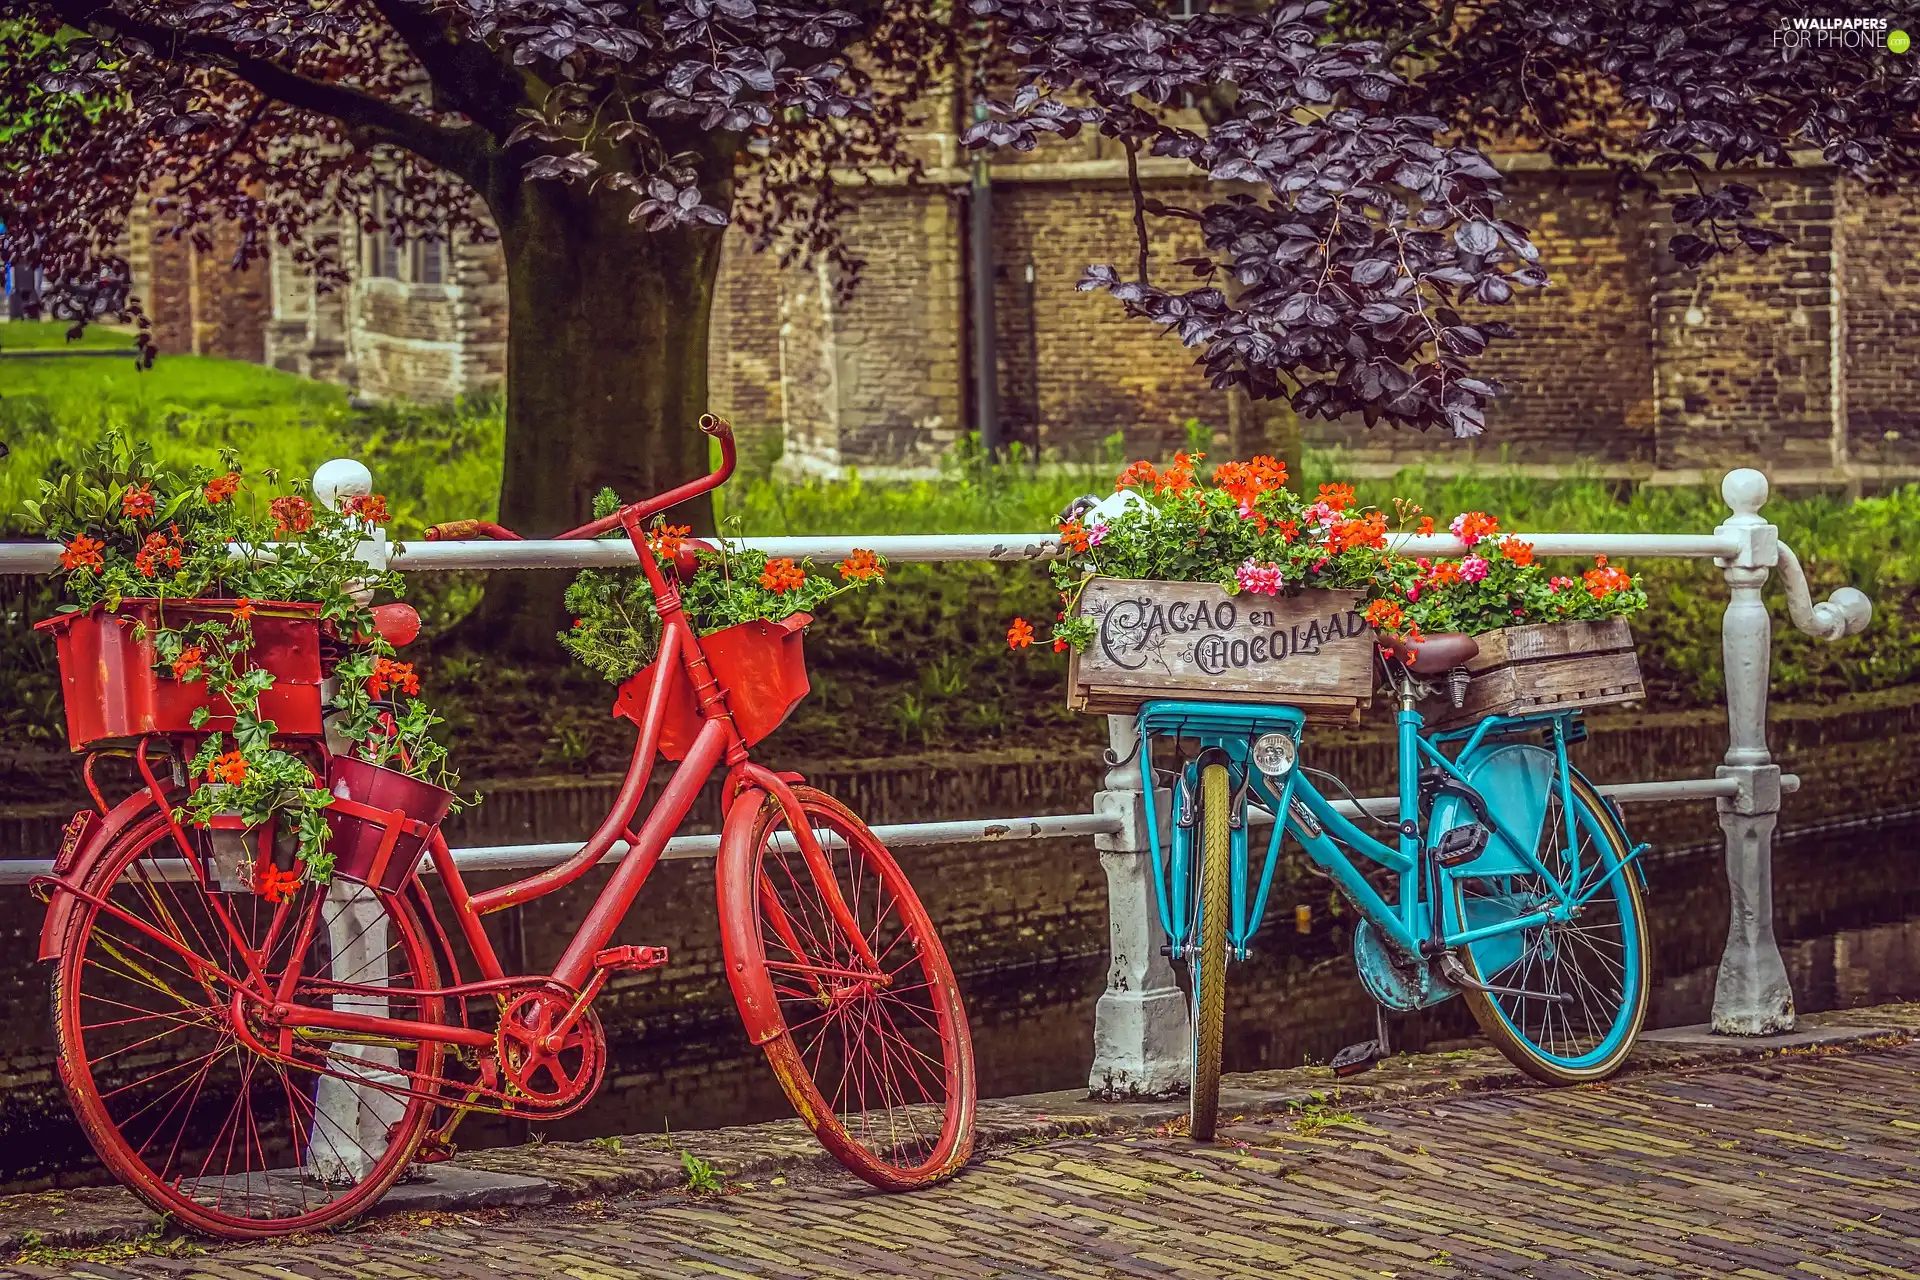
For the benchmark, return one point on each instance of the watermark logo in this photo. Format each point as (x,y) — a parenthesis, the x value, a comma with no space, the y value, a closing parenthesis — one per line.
(1863,35)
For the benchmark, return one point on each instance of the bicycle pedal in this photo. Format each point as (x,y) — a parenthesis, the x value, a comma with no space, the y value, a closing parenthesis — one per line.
(1460,846)
(1356,1059)
(630,959)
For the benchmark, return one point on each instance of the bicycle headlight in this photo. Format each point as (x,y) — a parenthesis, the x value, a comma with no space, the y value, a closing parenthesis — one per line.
(1274,754)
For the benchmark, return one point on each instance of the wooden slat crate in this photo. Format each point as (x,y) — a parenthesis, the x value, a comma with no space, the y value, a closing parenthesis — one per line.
(1310,649)
(1548,666)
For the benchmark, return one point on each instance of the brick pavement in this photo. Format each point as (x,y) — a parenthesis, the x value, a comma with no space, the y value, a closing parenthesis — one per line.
(1804,1164)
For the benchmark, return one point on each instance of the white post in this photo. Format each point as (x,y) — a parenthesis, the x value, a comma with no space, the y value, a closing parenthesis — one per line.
(1751,996)
(350,1122)
(1142,1038)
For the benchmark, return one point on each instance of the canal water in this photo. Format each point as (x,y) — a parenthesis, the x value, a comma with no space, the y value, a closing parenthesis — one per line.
(1847,911)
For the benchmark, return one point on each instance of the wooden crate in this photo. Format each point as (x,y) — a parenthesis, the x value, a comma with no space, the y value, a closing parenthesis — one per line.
(1310,650)
(1549,666)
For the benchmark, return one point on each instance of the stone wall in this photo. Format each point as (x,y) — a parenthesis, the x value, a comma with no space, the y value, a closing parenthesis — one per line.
(1627,364)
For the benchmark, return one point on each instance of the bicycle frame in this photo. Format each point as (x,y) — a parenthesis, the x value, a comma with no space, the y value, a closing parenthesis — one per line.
(1336,843)
(579,970)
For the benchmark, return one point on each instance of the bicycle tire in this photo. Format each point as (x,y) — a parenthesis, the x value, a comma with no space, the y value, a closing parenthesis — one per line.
(1583,958)
(296,1172)
(1209,960)
(866,1053)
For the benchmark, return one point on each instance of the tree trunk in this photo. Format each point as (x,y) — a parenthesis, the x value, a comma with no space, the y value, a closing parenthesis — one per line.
(606,381)
(1265,426)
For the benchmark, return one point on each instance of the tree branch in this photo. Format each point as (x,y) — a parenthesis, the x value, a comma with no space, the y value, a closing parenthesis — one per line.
(476,81)
(367,117)
(1395,45)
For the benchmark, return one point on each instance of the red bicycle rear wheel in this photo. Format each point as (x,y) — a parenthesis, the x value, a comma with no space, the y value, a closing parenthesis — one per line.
(181,1107)
(871,1043)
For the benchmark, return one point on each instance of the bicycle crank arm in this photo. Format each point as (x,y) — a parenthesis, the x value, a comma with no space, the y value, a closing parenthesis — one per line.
(1456,973)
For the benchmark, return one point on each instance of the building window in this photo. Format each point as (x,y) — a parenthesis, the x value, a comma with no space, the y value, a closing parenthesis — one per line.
(390,255)
(430,261)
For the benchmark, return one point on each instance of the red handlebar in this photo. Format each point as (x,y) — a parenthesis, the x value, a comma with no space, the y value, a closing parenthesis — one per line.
(721,430)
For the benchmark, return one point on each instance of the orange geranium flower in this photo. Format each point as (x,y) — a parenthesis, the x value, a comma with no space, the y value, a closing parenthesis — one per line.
(1337,496)
(83,553)
(273,884)
(230,768)
(782,575)
(1444,574)
(1521,553)
(1471,526)
(372,508)
(1603,579)
(1244,482)
(861,566)
(1178,478)
(1137,475)
(388,674)
(1426,526)
(1385,615)
(157,553)
(1076,538)
(188,661)
(222,487)
(665,540)
(243,608)
(1366,531)
(290,514)
(137,501)
(1020,634)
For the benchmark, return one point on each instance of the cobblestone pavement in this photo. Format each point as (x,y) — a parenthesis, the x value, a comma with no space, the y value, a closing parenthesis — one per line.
(1805,1164)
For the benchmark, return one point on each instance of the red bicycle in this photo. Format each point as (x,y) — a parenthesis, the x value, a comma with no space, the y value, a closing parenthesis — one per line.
(259,1068)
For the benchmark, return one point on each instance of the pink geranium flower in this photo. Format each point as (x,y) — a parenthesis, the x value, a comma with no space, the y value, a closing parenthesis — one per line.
(1473,568)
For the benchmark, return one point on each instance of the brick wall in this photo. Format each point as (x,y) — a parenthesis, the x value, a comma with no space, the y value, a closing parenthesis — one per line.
(1744,357)
(1880,288)
(198,303)
(1578,382)
(1074,367)
(1626,362)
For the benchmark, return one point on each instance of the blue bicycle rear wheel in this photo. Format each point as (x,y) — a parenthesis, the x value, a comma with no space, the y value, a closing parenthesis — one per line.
(1576,989)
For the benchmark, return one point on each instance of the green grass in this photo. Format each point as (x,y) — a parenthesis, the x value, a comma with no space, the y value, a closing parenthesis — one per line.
(432,463)
(921,665)
(32,335)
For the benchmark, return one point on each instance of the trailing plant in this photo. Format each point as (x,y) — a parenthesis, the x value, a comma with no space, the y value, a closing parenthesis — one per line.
(132,529)
(1241,529)
(381,728)
(616,628)
(1499,583)
(1244,531)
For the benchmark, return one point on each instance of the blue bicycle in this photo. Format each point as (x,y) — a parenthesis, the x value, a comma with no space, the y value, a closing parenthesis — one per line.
(1507,878)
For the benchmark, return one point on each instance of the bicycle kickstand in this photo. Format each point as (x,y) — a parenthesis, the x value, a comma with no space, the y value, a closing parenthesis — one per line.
(1358,1058)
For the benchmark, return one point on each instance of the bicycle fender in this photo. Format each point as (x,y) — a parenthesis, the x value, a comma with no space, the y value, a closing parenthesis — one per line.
(92,840)
(740,917)
(1513,780)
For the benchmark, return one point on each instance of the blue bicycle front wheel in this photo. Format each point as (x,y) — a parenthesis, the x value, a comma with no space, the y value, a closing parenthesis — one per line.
(1574,992)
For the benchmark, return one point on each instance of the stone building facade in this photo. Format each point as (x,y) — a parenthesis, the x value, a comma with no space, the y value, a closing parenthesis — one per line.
(1628,365)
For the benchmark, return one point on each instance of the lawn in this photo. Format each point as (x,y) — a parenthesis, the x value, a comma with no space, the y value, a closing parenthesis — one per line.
(922,665)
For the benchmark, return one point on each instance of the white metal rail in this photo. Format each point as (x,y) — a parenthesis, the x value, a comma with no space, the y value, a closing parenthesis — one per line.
(1752,996)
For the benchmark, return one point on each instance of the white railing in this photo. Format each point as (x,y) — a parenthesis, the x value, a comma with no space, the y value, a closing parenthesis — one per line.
(1141,1041)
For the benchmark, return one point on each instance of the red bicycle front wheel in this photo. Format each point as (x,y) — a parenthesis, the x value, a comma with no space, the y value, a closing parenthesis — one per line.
(871,1042)
(184,1108)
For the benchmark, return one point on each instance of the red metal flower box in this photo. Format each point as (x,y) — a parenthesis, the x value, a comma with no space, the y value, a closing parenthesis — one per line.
(381,820)
(759,664)
(114,692)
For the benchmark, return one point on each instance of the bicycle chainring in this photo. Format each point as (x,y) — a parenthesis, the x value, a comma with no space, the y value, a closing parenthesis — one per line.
(543,1073)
